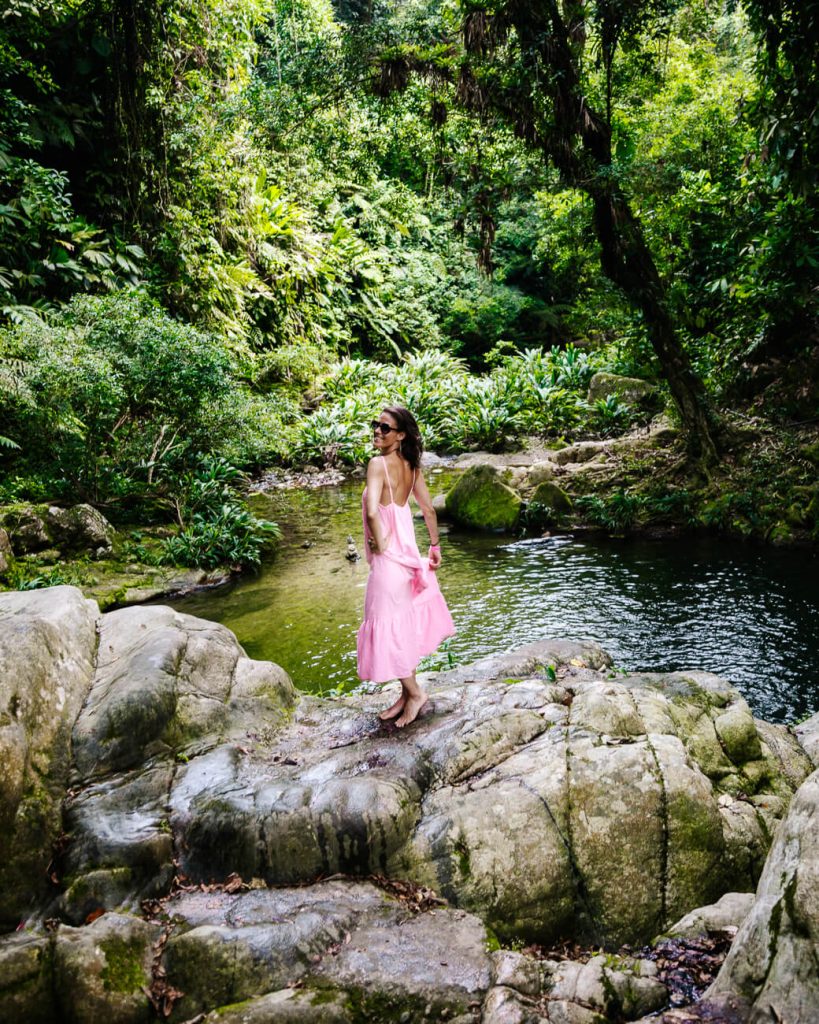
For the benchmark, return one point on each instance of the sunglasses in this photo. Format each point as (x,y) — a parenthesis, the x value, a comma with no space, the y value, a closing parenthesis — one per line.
(385,428)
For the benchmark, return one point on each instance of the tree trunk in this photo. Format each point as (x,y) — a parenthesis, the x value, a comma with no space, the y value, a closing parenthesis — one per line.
(549,45)
(627,261)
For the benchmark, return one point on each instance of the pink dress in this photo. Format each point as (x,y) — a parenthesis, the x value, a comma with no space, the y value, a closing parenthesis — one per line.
(405,614)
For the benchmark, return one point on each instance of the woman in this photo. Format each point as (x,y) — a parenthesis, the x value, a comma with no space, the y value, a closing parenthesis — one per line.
(405,615)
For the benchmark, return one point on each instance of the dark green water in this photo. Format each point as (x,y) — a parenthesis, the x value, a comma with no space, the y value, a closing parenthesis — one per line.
(745,612)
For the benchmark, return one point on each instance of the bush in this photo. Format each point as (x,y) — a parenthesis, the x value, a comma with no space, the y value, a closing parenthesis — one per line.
(217,528)
(112,389)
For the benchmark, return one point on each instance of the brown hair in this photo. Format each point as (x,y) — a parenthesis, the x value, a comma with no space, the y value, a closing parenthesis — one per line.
(412,446)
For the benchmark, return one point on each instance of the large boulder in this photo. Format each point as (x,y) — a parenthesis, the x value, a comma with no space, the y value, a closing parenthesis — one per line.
(80,528)
(74,530)
(480,499)
(772,966)
(48,644)
(631,390)
(337,951)
(536,793)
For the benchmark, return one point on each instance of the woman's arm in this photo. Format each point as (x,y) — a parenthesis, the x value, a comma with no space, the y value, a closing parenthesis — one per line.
(430,518)
(375,485)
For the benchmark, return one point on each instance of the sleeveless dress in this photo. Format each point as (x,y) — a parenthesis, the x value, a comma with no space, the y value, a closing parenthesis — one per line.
(405,614)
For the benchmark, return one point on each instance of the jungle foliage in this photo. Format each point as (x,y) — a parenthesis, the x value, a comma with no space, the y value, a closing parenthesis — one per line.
(230,228)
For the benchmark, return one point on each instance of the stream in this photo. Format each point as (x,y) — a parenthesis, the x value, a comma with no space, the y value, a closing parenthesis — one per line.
(746,612)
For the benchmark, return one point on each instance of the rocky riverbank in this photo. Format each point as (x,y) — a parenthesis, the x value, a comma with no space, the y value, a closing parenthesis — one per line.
(175,814)
(765,487)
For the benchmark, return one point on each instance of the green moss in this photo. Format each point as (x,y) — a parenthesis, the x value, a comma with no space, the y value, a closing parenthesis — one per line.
(480,499)
(322,996)
(462,853)
(124,970)
(365,1007)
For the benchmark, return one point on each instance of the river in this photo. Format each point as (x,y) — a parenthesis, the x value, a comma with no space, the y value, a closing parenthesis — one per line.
(747,612)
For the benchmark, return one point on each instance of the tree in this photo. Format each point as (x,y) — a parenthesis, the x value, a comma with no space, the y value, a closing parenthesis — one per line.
(529,66)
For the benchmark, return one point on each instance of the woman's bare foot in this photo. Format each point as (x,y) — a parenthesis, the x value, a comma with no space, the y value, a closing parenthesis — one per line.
(393,709)
(411,709)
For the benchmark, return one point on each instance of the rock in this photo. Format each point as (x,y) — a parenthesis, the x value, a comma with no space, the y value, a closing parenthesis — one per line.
(541,799)
(505,1006)
(555,502)
(516,971)
(6,553)
(27,529)
(48,643)
(726,914)
(540,472)
(100,971)
(288,1006)
(605,991)
(26,985)
(537,794)
(631,390)
(81,528)
(472,460)
(481,500)
(165,680)
(771,967)
(439,504)
(807,734)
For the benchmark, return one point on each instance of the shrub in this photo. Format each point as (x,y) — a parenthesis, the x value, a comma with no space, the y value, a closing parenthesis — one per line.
(217,528)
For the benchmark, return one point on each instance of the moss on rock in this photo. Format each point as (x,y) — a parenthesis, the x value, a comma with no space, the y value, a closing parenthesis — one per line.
(480,499)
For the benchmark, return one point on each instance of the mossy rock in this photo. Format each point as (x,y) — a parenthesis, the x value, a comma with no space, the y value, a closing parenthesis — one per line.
(480,499)
(632,390)
(548,495)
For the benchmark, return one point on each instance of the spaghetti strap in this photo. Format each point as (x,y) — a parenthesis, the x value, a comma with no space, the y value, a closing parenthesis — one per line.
(412,489)
(389,483)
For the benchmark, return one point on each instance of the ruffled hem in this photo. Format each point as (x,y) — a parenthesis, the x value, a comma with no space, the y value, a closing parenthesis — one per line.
(388,650)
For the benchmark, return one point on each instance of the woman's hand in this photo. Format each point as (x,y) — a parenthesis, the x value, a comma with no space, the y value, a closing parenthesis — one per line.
(434,556)
(379,549)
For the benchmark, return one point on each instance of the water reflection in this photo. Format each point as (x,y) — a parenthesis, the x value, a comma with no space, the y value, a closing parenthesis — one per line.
(747,613)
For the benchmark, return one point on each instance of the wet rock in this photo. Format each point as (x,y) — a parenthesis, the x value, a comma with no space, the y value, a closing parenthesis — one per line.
(80,528)
(480,499)
(726,914)
(772,964)
(48,644)
(101,971)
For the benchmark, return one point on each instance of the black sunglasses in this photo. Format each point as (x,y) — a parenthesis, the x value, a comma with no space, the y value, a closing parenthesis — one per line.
(385,428)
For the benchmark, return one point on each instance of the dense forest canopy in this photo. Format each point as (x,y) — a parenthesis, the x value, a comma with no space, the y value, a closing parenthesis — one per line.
(275,185)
